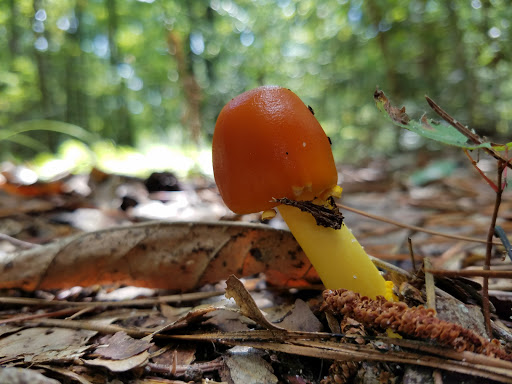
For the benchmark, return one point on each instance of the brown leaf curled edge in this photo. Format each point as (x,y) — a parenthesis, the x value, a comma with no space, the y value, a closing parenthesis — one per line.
(398,115)
(418,322)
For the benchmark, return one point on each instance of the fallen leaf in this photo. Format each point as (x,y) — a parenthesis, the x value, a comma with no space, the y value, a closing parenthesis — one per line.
(6,329)
(247,366)
(195,315)
(13,375)
(173,313)
(34,190)
(236,290)
(468,316)
(121,346)
(227,321)
(182,354)
(43,344)
(301,318)
(68,373)
(177,256)
(120,365)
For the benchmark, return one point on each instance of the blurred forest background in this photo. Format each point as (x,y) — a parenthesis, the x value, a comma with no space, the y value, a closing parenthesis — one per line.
(92,76)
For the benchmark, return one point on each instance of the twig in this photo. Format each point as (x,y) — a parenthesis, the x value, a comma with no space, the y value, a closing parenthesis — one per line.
(33,316)
(411,253)
(502,164)
(414,227)
(430,287)
(488,251)
(123,303)
(472,273)
(17,242)
(476,139)
(87,325)
(311,344)
(484,176)
(437,376)
(183,370)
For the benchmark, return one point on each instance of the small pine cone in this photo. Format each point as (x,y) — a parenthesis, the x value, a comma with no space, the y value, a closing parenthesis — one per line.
(418,322)
(341,372)
(353,330)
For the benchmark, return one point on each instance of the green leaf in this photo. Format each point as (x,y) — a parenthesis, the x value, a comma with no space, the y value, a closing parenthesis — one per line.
(429,128)
(47,125)
(28,142)
(436,170)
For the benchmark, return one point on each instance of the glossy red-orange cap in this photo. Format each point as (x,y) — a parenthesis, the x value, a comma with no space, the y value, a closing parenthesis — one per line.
(267,144)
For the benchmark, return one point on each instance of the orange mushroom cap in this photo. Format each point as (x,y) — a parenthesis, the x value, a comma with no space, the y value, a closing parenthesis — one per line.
(267,144)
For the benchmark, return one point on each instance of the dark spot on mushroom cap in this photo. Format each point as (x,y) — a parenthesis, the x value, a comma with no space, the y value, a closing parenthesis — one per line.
(311,109)
(256,253)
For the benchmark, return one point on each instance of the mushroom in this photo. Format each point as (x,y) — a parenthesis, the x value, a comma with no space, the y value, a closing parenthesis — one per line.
(268,148)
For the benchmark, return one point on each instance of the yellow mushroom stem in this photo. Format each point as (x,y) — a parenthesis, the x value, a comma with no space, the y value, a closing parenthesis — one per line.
(337,256)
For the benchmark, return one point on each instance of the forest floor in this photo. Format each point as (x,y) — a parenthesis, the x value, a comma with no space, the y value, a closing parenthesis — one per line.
(79,304)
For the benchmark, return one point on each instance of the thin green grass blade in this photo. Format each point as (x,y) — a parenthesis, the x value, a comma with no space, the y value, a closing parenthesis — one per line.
(47,125)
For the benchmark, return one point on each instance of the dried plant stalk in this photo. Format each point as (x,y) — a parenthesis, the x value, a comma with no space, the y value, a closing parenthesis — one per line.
(418,322)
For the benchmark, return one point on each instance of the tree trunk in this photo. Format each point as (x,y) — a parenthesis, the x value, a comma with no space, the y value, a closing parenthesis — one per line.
(191,117)
(468,86)
(375,16)
(430,53)
(44,74)
(121,124)
(76,98)
(14,35)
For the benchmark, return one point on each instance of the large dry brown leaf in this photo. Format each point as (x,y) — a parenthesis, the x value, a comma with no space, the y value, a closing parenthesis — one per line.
(43,344)
(178,256)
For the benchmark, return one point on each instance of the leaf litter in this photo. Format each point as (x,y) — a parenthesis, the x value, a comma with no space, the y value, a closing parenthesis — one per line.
(73,309)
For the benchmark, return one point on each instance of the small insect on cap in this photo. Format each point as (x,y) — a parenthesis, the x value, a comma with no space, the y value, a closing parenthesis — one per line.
(267,144)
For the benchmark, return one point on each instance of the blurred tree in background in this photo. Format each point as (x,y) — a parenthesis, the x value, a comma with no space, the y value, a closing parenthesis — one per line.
(152,70)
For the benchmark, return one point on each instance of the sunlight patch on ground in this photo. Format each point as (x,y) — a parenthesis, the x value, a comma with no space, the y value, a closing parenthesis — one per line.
(75,157)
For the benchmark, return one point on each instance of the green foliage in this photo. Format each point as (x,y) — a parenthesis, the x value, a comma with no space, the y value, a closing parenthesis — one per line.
(17,129)
(436,170)
(74,156)
(129,70)
(429,128)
